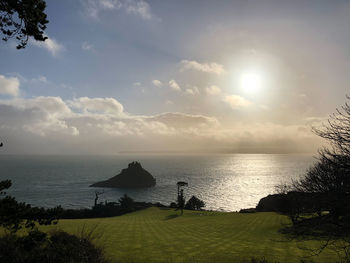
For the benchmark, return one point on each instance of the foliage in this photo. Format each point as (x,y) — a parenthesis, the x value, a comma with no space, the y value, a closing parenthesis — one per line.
(324,209)
(126,203)
(39,247)
(180,196)
(16,215)
(181,201)
(330,176)
(194,203)
(23,19)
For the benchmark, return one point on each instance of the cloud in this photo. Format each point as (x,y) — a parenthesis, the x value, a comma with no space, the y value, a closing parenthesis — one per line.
(192,91)
(174,85)
(204,67)
(213,90)
(50,44)
(157,83)
(9,86)
(169,102)
(183,121)
(40,116)
(101,125)
(97,105)
(86,46)
(237,102)
(140,8)
(94,7)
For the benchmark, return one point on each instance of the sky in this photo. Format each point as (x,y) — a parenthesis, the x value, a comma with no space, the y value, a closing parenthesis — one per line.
(118,76)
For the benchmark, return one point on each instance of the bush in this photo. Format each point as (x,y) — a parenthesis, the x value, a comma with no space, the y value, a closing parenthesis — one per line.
(58,247)
(194,203)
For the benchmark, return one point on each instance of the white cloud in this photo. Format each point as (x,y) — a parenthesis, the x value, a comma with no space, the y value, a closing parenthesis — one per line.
(237,102)
(192,91)
(41,116)
(204,67)
(97,105)
(157,83)
(9,86)
(94,7)
(169,102)
(174,85)
(50,44)
(86,46)
(213,90)
(140,8)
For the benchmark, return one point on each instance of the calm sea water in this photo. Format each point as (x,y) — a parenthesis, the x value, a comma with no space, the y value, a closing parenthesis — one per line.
(224,182)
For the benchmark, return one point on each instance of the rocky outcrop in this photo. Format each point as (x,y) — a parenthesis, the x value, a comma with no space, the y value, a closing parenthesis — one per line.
(132,177)
(273,203)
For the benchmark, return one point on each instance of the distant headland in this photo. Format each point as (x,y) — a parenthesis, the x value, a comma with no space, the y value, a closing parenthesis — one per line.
(135,176)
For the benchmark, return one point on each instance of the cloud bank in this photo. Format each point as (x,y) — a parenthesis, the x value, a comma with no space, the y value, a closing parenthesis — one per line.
(102,126)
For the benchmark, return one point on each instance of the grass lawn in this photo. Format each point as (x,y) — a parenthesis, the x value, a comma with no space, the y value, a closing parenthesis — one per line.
(160,235)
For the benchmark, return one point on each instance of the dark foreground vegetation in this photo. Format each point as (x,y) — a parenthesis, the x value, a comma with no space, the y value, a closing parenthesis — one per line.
(56,247)
(35,246)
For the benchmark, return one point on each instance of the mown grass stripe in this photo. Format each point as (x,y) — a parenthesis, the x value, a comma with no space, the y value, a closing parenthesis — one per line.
(158,235)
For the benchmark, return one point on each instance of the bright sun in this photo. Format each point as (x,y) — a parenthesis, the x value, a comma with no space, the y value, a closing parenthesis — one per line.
(251,82)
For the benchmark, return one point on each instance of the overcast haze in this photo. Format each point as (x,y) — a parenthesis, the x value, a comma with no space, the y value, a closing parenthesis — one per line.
(177,76)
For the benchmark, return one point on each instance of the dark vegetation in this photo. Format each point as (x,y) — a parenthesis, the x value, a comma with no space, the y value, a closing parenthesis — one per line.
(35,246)
(108,209)
(21,19)
(17,215)
(56,247)
(194,203)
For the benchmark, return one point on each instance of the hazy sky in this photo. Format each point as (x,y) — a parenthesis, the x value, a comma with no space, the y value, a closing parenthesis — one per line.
(197,76)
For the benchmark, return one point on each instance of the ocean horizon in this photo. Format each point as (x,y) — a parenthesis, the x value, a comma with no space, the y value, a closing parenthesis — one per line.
(225,182)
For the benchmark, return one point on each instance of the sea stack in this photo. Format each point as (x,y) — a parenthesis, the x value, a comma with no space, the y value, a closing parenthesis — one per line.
(132,177)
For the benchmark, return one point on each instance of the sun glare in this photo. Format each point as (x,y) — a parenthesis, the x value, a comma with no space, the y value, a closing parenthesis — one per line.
(251,82)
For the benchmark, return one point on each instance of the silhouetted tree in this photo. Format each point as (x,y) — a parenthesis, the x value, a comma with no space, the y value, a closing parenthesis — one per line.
(330,176)
(326,187)
(181,201)
(23,19)
(97,194)
(180,196)
(16,215)
(126,202)
(194,203)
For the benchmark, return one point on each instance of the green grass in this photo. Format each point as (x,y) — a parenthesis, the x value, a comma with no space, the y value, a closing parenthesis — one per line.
(160,235)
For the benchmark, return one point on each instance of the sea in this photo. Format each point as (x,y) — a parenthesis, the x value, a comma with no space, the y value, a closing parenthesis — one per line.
(225,182)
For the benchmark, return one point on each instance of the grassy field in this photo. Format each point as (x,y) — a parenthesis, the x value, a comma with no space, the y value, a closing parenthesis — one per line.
(161,235)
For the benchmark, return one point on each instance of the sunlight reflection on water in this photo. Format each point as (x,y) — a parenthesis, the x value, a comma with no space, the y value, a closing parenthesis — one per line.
(225,182)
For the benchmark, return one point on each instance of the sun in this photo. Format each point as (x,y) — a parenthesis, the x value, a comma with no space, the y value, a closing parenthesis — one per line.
(251,82)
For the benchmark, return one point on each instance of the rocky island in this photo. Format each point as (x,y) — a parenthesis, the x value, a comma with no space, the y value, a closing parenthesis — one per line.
(132,177)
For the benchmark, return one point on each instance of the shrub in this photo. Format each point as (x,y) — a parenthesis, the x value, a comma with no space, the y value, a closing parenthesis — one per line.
(194,203)
(58,247)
